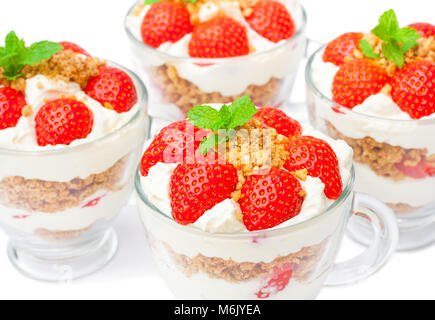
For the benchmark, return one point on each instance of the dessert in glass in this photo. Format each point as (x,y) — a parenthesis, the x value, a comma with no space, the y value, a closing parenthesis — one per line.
(205,51)
(376,92)
(240,202)
(71,131)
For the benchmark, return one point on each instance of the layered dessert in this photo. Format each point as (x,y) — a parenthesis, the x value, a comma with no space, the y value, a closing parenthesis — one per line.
(232,200)
(207,51)
(71,126)
(376,91)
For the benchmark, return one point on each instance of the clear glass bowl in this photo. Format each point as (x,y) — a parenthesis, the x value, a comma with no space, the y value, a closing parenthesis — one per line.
(177,84)
(380,145)
(283,263)
(58,207)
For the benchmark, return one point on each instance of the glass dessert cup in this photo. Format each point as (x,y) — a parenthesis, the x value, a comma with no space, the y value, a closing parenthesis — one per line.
(380,146)
(58,206)
(285,263)
(177,84)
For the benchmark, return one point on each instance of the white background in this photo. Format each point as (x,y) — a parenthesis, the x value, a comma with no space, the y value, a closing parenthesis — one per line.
(97,25)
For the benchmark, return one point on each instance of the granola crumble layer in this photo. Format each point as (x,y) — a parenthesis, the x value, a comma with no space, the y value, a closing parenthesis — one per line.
(186,95)
(60,236)
(382,158)
(52,197)
(402,208)
(304,264)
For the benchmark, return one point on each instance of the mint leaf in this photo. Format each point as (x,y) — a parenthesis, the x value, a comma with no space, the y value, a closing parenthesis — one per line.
(367,49)
(407,38)
(388,25)
(242,110)
(203,117)
(15,55)
(224,119)
(393,53)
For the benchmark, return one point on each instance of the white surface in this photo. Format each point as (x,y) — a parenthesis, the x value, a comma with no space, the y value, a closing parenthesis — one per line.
(97,26)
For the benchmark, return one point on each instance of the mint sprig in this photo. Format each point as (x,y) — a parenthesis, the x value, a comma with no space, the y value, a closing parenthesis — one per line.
(221,122)
(148,2)
(15,55)
(397,41)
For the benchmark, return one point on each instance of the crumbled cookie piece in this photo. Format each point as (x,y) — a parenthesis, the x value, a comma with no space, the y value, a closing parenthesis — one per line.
(26,111)
(60,235)
(402,208)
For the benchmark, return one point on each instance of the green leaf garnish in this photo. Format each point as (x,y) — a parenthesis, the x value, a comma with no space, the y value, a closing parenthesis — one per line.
(148,2)
(368,50)
(15,55)
(222,122)
(397,41)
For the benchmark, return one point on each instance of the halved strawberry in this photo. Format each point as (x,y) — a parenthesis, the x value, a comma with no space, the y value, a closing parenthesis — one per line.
(220,37)
(271,20)
(63,121)
(270,199)
(278,281)
(341,47)
(175,143)
(11,105)
(165,21)
(319,159)
(113,88)
(420,171)
(356,80)
(426,30)
(196,188)
(413,89)
(73,47)
(278,120)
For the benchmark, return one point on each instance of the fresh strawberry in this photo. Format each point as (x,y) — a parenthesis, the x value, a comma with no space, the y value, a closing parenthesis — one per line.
(11,105)
(420,171)
(73,47)
(356,80)
(277,282)
(113,88)
(413,89)
(426,30)
(341,47)
(62,121)
(220,37)
(196,188)
(319,159)
(283,124)
(270,199)
(271,20)
(165,21)
(175,143)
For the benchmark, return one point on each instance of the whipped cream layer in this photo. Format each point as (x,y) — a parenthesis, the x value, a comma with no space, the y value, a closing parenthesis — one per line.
(378,117)
(278,61)
(23,157)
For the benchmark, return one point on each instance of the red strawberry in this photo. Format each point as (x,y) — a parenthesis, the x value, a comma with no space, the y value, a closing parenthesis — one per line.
(356,80)
(11,104)
(196,188)
(271,199)
(420,171)
(220,37)
(113,88)
(319,159)
(341,47)
(62,121)
(271,20)
(413,89)
(165,21)
(283,124)
(426,30)
(73,47)
(175,143)
(278,281)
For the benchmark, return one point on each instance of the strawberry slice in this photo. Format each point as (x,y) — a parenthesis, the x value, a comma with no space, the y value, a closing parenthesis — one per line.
(11,105)
(272,20)
(220,37)
(73,47)
(356,80)
(426,30)
(63,121)
(277,282)
(420,171)
(270,199)
(341,47)
(319,159)
(165,21)
(278,120)
(196,188)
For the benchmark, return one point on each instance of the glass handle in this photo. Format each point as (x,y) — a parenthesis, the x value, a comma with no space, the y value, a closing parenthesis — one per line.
(385,240)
